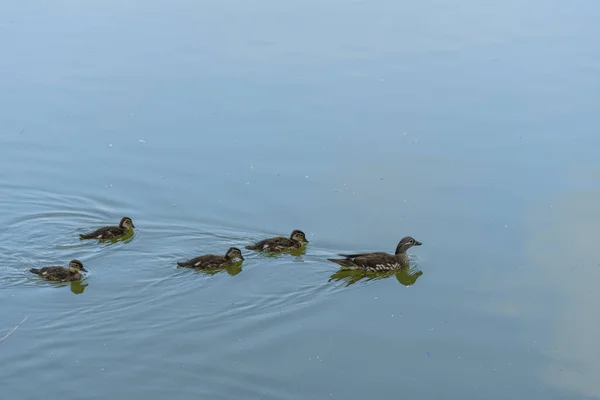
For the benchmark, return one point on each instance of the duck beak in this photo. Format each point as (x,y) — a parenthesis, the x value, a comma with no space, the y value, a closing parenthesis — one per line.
(132,225)
(83,269)
(418,243)
(242,258)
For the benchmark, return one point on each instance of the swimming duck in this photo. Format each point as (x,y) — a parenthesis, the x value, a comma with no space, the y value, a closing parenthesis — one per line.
(296,240)
(213,261)
(61,274)
(111,232)
(379,261)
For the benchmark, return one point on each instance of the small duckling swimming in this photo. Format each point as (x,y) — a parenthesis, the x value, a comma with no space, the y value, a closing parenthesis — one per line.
(296,240)
(111,232)
(379,261)
(61,274)
(213,261)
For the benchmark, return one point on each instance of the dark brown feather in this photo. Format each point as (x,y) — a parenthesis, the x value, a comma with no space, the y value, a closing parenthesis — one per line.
(343,262)
(378,261)
(107,232)
(59,274)
(278,243)
(208,261)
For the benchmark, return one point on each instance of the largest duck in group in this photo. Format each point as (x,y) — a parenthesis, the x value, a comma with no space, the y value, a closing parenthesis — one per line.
(379,261)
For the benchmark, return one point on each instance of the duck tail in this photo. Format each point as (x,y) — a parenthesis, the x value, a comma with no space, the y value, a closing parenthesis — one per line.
(82,236)
(182,263)
(35,271)
(343,262)
(251,247)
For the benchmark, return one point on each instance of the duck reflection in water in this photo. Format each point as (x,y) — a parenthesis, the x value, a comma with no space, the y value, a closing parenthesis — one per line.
(232,270)
(405,276)
(78,287)
(298,253)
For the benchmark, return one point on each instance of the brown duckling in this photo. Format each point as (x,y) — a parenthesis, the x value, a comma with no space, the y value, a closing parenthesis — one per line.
(213,261)
(61,274)
(277,244)
(111,232)
(379,261)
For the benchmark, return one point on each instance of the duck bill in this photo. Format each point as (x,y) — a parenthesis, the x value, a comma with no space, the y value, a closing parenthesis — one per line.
(83,269)
(418,243)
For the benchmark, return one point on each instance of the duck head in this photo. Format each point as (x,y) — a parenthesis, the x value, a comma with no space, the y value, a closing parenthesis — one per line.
(406,243)
(126,223)
(76,266)
(298,236)
(234,253)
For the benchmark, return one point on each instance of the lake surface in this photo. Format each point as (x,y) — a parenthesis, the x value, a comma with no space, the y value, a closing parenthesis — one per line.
(473,127)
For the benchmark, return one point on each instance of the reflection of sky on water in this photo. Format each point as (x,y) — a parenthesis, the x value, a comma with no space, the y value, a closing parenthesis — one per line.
(563,247)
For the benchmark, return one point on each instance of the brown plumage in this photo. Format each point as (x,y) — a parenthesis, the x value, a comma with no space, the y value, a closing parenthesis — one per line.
(111,232)
(213,261)
(61,274)
(379,261)
(296,240)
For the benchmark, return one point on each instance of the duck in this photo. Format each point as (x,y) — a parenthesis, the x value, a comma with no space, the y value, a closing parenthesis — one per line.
(213,261)
(111,232)
(61,274)
(296,240)
(379,261)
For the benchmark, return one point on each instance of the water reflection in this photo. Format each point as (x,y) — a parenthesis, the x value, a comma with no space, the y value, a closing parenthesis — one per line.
(406,276)
(295,252)
(128,237)
(232,270)
(77,287)
(571,219)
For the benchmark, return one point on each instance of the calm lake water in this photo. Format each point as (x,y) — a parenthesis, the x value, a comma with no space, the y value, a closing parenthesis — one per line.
(473,127)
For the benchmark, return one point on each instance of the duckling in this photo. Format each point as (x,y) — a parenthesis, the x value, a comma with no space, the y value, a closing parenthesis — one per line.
(213,261)
(111,232)
(379,261)
(61,274)
(297,240)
